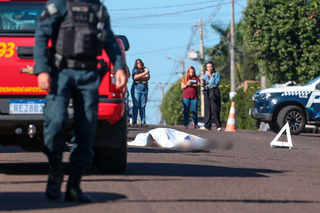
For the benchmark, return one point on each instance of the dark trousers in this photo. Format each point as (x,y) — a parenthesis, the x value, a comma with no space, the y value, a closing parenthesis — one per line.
(211,111)
(82,86)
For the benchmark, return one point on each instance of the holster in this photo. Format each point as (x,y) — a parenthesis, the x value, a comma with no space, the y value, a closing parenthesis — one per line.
(81,65)
(59,61)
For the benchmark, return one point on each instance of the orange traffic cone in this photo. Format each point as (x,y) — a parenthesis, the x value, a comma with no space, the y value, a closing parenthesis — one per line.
(232,122)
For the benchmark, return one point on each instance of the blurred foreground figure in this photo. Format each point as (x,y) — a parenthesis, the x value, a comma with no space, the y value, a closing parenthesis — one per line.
(78,30)
(171,138)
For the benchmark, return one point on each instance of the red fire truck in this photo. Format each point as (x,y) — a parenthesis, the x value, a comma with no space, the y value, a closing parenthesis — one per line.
(22,102)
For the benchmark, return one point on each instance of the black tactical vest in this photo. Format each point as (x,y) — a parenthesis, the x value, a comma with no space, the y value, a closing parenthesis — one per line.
(81,34)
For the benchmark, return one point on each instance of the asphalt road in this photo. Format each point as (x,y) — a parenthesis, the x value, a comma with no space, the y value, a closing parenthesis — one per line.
(251,177)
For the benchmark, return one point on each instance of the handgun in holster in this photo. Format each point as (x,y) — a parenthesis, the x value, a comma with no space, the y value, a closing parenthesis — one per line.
(59,61)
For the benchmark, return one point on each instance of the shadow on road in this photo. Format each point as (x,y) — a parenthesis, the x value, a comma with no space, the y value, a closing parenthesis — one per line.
(152,150)
(308,135)
(26,168)
(36,200)
(187,170)
(149,169)
(92,180)
(130,138)
(137,129)
(218,201)
(10,149)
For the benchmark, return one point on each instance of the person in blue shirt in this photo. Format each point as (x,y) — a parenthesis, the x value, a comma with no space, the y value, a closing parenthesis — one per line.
(71,77)
(211,81)
(139,92)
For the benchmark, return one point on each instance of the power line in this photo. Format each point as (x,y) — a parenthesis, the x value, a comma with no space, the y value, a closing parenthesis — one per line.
(161,50)
(178,27)
(167,14)
(185,55)
(176,64)
(158,25)
(155,51)
(183,18)
(168,6)
(170,76)
(240,5)
(214,13)
(190,42)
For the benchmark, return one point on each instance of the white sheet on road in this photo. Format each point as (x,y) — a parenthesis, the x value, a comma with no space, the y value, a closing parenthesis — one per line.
(168,138)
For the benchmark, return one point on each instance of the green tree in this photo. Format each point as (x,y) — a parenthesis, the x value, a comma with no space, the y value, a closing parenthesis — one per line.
(246,69)
(225,105)
(243,103)
(220,55)
(282,36)
(172,107)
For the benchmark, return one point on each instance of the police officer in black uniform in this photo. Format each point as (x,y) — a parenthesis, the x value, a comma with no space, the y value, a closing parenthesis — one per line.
(79,30)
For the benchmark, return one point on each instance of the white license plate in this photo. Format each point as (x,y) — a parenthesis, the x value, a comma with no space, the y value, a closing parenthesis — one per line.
(26,106)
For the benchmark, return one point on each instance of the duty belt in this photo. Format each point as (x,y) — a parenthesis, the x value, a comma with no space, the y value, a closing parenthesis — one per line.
(81,65)
(144,82)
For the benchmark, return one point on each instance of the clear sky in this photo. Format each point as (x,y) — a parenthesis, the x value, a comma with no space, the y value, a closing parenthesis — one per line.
(160,29)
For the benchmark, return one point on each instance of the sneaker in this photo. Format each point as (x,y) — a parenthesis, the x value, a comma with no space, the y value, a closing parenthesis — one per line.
(134,124)
(219,129)
(196,126)
(186,127)
(203,128)
(128,123)
(143,124)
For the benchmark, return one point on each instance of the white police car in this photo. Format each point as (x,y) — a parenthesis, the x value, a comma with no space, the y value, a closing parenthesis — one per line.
(298,105)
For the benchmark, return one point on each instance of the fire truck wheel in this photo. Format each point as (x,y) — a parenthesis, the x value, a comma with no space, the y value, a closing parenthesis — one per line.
(112,160)
(31,148)
(31,144)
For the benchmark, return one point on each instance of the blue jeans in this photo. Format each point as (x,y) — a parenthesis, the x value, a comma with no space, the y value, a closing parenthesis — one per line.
(139,99)
(194,108)
(128,106)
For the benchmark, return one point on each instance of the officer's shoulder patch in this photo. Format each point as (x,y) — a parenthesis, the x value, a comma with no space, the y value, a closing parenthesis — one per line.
(49,10)
(52,9)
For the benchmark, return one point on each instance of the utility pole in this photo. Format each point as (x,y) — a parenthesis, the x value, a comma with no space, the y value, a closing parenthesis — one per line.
(182,65)
(232,56)
(263,82)
(202,64)
(162,99)
(182,68)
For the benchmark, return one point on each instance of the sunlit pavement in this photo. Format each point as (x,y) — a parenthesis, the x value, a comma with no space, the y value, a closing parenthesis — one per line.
(252,177)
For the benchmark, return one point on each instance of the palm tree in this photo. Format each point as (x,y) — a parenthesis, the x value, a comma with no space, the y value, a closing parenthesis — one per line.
(220,55)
